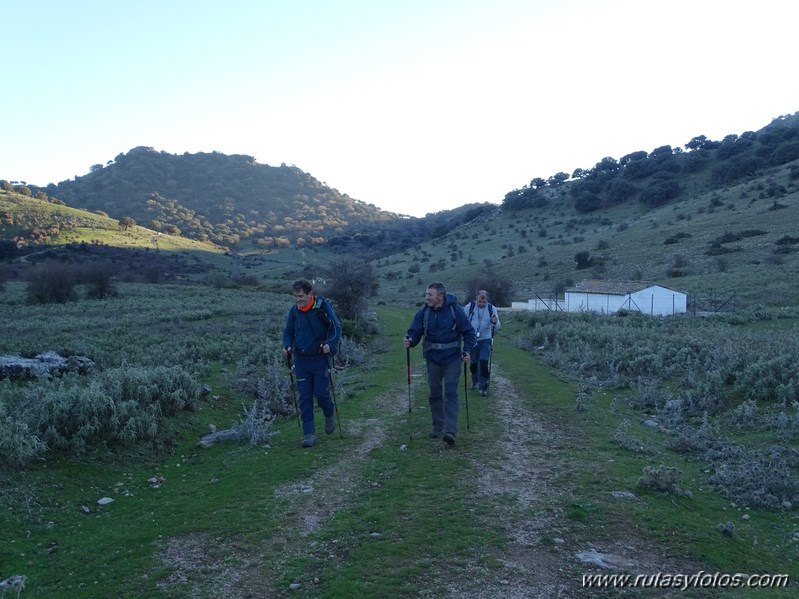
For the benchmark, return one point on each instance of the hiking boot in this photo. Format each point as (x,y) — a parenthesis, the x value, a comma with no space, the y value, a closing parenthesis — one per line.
(483,393)
(330,424)
(309,440)
(449,439)
(435,435)
(474,386)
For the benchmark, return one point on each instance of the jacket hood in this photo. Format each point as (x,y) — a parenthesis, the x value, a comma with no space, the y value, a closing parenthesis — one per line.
(450,299)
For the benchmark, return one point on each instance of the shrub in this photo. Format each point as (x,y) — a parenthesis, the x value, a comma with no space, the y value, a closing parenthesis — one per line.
(769,378)
(254,427)
(758,478)
(351,352)
(499,288)
(18,445)
(121,406)
(353,283)
(622,438)
(662,478)
(50,283)
(745,415)
(697,441)
(99,280)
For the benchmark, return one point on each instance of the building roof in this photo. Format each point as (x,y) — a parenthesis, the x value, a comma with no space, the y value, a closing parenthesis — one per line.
(616,287)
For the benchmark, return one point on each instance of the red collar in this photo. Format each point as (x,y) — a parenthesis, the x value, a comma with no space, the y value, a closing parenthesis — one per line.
(307,306)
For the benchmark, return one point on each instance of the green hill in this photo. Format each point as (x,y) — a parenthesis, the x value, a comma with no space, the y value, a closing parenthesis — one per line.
(235,202)
(212,196)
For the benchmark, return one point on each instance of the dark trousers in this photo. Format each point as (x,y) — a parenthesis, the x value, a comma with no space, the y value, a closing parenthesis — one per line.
(444,406)
(312,380)
(481,355)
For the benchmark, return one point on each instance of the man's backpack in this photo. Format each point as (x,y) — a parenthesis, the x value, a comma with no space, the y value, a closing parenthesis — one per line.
(320,311)
(471,310)
(452,311)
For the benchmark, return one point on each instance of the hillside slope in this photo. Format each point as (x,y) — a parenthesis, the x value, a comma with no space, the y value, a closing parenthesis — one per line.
(216,197)
(34,230)
(739,241)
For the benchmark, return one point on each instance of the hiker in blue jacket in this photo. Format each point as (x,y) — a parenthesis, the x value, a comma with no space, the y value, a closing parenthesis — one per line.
(311,336)
(485,320)
(448,339)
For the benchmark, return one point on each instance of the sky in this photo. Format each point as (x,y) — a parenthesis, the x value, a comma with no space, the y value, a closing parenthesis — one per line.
(415,106)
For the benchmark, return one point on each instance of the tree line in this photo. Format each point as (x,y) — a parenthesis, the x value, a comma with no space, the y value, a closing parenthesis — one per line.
(654,177)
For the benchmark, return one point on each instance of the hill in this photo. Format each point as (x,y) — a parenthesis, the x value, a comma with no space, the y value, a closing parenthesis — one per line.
(664,174)
(234,202)
(216,197)
(723,234)
(736,242)
(694,219)
(39,229)
(715,218)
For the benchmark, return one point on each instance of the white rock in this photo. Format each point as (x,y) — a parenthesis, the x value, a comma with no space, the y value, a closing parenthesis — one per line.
(104,501)
(623,494)
(604,560)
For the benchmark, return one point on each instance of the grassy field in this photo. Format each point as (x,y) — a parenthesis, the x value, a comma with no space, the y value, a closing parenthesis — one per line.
(382,512)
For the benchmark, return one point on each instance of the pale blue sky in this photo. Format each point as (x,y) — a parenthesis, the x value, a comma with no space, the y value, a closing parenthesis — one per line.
(414,105)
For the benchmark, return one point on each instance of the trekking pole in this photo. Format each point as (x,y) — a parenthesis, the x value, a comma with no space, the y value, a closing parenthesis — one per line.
(490,358)
(293,387)
(333,393)
(408,361)
(466,394)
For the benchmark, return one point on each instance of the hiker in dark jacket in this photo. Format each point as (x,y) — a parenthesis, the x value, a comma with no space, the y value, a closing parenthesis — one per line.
(311,336)
(485,320)
(448,339)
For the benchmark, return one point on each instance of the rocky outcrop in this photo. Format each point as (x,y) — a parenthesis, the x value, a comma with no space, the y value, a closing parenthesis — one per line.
(48,364)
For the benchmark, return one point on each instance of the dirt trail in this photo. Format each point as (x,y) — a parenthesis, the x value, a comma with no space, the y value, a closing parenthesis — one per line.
(302,508)
(514,471)
(539,560)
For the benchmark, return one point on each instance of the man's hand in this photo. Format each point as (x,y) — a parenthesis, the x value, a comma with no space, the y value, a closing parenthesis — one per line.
(466,357)
(406,342)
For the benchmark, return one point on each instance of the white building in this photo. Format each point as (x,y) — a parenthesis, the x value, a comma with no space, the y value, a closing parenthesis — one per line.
(609,297)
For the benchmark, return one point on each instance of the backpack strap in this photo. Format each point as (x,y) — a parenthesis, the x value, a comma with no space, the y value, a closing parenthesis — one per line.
(471,309)
(454,319)
(321,312)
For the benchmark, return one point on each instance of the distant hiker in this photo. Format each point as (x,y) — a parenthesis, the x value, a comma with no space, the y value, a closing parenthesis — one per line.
(448,339)
(485,320)
(312,334)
